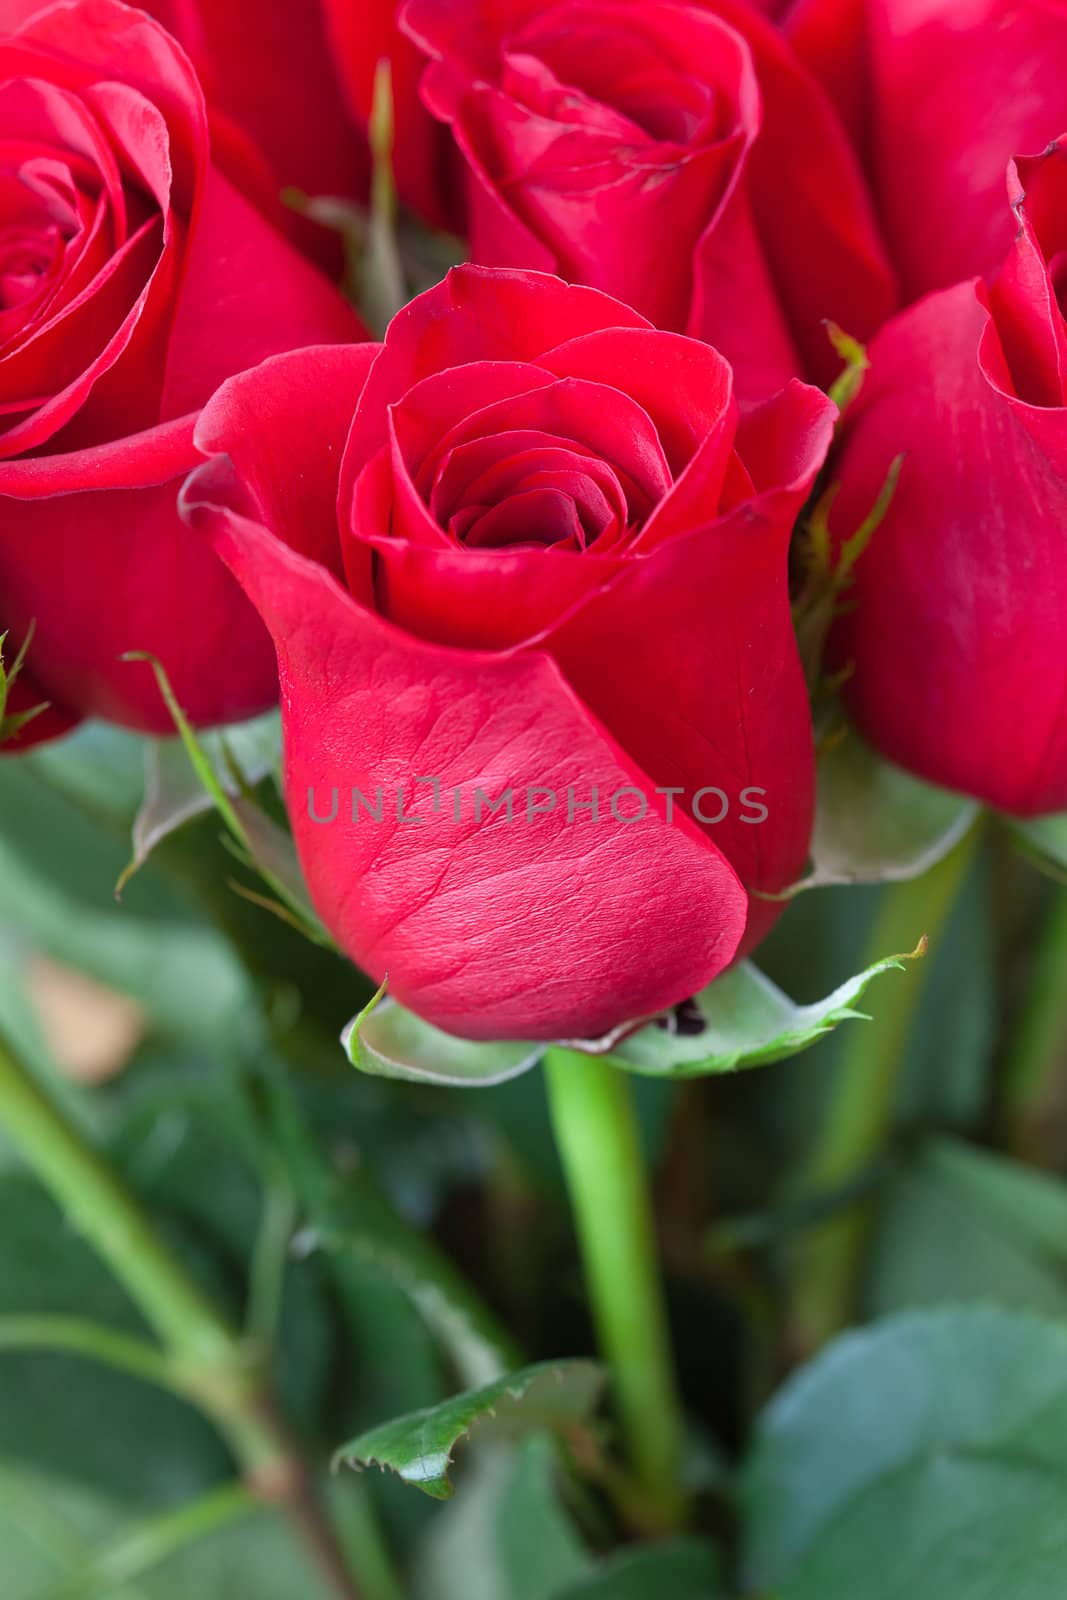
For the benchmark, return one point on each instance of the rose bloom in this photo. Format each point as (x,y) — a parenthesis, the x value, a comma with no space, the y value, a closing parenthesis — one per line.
(678,156)
(958,637)
(134,277)
(275,100)
(940,94)
(559,563)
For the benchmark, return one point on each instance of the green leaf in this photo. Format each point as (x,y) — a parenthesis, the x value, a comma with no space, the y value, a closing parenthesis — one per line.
(185,977)
(455,1557)
(72,1418)
(391,1042)
(48,1529)
(537,1546)
(270,851)
(61,1543)
(351,1222)
(558,1395)
(876,823)
(10,725)
(847,385)
(173,791)
(511,1512)
(746,1022)
(183,1148)
(923,1459)
(57,868)
(362,1226)
(959,1223)
(399,1365)
(983,1530)
(98,768)
(677,1569)
(258,841)
(1044,838)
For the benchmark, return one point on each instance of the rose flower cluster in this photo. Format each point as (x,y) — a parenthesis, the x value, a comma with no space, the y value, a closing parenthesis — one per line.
(537,541)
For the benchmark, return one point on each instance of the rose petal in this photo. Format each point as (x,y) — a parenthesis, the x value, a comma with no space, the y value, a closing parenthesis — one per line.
(472,315)
(247,294)
(958,634)
(712,695)
(93,551)
(489,929)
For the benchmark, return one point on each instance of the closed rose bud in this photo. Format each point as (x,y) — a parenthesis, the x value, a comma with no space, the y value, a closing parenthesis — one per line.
(958,632)
(677,156)
(560,571)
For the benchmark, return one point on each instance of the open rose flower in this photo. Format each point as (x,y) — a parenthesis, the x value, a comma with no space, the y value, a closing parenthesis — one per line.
(560,571)
(958,638)
(275,99)
(940,94)
(676,156)
(134,278)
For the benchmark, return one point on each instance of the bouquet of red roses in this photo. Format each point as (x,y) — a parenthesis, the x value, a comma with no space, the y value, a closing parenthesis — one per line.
(531,535)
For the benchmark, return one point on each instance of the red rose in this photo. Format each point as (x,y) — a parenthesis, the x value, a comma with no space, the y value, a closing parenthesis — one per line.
(959,636)
(676,156)
(134,278)
(941,93)
(363,33)
(561,568)
(275,100)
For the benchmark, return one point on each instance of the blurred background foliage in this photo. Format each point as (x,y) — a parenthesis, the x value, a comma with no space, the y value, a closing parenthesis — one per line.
(392,1243)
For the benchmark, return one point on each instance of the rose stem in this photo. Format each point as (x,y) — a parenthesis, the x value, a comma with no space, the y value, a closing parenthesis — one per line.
(858,1118)
(599,1145)
(1035,1078)
(215,1366)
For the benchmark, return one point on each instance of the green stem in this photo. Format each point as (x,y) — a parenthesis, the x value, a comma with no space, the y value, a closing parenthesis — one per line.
(269,1258)
(597,1136)
(1035,1081)
(95,1342)
(99,1208)
(862,1099)
(214,1362)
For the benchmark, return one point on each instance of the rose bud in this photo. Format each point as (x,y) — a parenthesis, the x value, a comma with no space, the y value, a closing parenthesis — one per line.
(134,277)
(559,572)
(678,157)
(958,631)
(940,94)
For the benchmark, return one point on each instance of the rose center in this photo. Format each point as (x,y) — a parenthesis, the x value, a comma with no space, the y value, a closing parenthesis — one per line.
(520,489)
(24,261)
(667,105)
(32,241)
